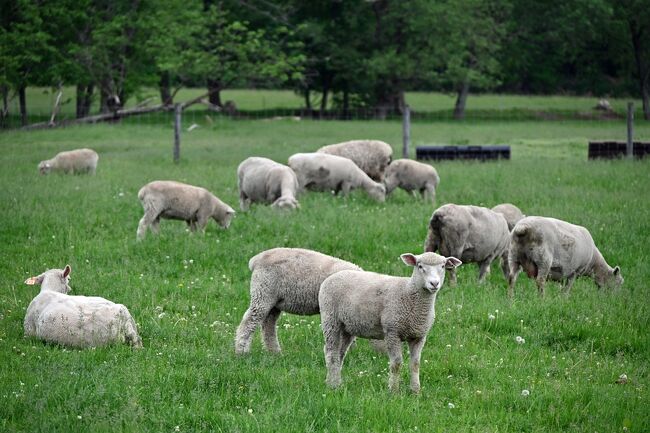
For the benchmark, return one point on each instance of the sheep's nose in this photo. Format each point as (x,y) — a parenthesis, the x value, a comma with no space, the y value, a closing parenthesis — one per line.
(434,284)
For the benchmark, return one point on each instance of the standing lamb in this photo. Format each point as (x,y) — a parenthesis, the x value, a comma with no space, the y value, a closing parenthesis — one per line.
(174,200)
(73,162)
(510,212)
(395,309)
(77,321)
(555,249)
(283,279)
(475,234)
(266,181)
(371,156)
(323,172)
(412,176)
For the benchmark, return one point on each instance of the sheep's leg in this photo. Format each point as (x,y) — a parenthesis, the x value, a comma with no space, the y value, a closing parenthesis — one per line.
(333,335)
(346,342)
(540,279)
(483,269)
(155,226)
(429,193)
(244,202)
(415,350)
(345,188)
(569,283)
(394,346)
(255,314)
(504,265)
(200,222)
(269,331)
(452,277)
(514,267)
(145,221)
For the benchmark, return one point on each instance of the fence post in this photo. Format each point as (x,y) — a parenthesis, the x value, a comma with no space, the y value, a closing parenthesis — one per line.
(406,131)
(630,130)
(178,109)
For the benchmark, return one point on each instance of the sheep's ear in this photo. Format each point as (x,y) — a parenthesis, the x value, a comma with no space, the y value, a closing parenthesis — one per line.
(409,259)
(32,281)
(452,262)
(230,211)
(66,271)
(616,271)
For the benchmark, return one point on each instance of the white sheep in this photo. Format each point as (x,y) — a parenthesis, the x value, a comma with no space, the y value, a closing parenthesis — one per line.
(375,306)
(412,176)
(371,156)
(77,321)
(472,233)
(73,161)
(551,248)
(266,181)
(510,212)
(324,172)
(174,200)
(283,279)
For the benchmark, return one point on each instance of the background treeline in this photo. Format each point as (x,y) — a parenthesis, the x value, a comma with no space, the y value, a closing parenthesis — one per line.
(346,54)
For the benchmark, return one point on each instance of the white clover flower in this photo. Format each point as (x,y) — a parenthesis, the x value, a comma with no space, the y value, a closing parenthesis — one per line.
(491,317)
(161,315)
(519,340)
(177,428)
(250,411)
(78,416)
(525,393)
(451,405)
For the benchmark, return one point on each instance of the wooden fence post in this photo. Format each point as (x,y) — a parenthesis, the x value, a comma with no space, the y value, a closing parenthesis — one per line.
(178,109)
(630,130)
(406,131)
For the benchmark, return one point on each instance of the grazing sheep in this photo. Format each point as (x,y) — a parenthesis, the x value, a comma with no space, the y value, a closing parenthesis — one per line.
(283,279)
(73,161)
(551,248)
(371,156)
(475,234)
(174,200)
(510,212)
(375,306)
(412,176)
(323,172)
(77,321)
(266,181)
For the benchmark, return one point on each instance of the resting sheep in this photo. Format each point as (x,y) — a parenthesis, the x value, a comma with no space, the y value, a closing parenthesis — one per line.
(323,172)
(375,306)
(266,181)
(412,176)
(551,248)
(283,279)
(371,156)
(73,161)
(472,233)
(175,200)
(77,321)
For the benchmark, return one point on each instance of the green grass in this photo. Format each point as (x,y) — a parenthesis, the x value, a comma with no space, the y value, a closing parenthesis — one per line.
(188,292)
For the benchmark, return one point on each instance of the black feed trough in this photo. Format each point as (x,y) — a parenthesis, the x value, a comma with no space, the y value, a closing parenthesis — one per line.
(462,152)
(617,149)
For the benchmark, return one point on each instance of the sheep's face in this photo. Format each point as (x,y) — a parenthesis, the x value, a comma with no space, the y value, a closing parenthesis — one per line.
(44,167)
(613,280)
(430,268)
(224,222)
(286,203)
(378,192)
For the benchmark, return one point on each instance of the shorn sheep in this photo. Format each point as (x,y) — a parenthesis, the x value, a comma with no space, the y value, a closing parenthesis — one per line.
(77,321)
(265,181)
(551,248)
(371,156)
(71,162)
(510,212)
(175,200)
(375,306)
(472,233)
(411,176)
(323,172)
(283,279)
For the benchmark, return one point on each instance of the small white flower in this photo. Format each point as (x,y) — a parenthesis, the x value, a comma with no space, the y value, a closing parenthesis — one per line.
(451,405)
(177,428)
(519,340)
(78,416)
(448,346)
(161,315)
(479,392)
(491,317)
(525,393)
(250,410)
(121,194)
(191,261)
(622,377)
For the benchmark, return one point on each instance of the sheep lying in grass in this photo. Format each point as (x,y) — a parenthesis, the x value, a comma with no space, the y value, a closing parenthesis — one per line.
(475,234)
(323,172)
(371,156)
(77,321)
(73,162)
(283,279)
(375,306)
(266,181)
(510,212)
(412,176)
(551,248)
(174,200)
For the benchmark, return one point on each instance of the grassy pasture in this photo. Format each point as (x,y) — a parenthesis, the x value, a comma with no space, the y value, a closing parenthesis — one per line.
(188,292)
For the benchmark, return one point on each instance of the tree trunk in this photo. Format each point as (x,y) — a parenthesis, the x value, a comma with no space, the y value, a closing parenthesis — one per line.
(103,101)
(346,103)
(164,85)
(643,73)
(5,106)
(459,109)
(84,99)
(214,88)
(23,105)
(307,99)
(323,101)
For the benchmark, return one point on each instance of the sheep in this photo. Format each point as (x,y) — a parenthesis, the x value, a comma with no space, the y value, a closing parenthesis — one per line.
(266,181)
(552,248)
(323,172)
(77,321)
(283,279)
(472,233)
(376,306)
(511,213)
(371,156)
(73,161)
(174,200)
(412,176)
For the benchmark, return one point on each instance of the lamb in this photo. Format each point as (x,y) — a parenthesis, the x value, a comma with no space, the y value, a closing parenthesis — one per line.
(175,200)
(511,213)
(73,161)
(375,306)
(76,321)
(412,176)
(371,156)
(551,248)
(323,172)
(266,181)
(283,279)
(472,233)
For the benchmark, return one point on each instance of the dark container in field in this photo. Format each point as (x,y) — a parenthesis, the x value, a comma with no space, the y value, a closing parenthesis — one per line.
(462,152)
(617,149)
